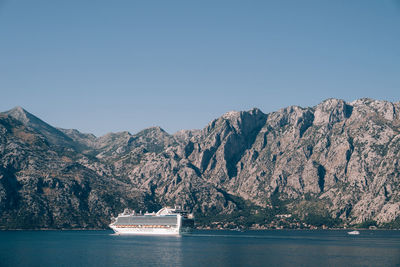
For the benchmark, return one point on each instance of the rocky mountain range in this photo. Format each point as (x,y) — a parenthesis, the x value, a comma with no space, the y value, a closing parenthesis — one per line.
(334,164)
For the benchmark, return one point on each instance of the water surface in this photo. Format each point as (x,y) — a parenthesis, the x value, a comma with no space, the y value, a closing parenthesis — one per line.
(201,248)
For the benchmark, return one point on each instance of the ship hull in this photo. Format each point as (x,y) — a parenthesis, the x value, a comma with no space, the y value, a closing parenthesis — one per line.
(149,231)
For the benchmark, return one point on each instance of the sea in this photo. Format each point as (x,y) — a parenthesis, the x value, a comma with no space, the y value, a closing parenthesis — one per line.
(201,248)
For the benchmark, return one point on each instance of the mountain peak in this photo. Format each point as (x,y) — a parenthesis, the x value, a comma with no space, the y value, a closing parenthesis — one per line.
(52,134)
(18,109)
(21,114)
(231,114)
(155,129)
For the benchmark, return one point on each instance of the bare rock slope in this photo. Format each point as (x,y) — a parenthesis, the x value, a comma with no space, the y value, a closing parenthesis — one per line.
(335,164)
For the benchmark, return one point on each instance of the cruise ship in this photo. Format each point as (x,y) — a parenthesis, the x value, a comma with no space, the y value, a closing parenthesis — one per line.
(167,221)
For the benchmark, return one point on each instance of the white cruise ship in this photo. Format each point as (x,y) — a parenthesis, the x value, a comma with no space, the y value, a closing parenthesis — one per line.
(167,221)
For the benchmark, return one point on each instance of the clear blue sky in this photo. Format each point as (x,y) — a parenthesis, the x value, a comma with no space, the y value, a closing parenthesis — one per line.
(102,66)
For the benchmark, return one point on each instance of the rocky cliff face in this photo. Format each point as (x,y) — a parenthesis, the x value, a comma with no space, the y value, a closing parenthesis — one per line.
(337,161)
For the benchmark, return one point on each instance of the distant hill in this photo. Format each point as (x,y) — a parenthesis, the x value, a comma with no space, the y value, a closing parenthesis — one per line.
(332,165)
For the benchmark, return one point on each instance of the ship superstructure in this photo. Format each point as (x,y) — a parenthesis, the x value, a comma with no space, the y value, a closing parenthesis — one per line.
(167,221)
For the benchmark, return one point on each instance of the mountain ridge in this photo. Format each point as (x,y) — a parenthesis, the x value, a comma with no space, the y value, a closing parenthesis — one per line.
(337,161)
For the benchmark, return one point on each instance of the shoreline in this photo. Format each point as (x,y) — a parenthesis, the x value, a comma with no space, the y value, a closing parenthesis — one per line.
(206,229)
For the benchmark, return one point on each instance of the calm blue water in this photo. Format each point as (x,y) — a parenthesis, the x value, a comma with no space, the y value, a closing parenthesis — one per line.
(202,248)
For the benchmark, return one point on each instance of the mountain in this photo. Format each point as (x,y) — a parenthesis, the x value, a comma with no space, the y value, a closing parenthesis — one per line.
(51,134)
(334,164)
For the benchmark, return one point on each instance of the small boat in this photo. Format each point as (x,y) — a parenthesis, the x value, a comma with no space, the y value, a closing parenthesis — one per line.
(353,232)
